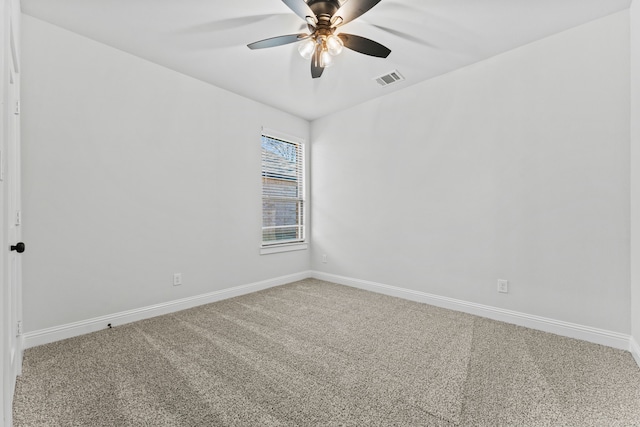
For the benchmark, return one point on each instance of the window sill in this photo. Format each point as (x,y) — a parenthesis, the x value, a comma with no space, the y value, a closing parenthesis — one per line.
(266,250)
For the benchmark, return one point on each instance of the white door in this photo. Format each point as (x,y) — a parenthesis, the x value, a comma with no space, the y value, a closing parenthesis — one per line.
(15,218)
(12,302)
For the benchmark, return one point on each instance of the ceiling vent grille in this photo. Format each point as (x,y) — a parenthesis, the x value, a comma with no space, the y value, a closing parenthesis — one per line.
(390,78)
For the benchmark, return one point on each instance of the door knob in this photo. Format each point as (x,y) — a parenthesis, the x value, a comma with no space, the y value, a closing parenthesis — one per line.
(19,247)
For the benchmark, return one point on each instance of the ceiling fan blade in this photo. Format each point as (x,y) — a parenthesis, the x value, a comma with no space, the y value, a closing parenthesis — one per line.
(300,8)
(316,69)
(364,45)
(353,9)
(277,41)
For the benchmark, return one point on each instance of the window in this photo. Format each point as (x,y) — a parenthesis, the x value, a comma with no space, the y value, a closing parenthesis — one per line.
(282,191)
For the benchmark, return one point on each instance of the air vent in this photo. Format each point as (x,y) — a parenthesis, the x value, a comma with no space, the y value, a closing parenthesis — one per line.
(390,78)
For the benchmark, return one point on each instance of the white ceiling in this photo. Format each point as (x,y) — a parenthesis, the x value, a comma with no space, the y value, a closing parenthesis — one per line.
(207,39)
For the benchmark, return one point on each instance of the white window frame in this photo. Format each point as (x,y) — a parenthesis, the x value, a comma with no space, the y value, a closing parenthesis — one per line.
(287,246)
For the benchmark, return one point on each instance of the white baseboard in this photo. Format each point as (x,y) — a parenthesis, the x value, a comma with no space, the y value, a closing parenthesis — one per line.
(571,330)
(634,348)
(57,333)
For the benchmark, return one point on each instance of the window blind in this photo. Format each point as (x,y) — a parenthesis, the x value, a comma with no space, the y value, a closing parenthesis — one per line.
(282,191)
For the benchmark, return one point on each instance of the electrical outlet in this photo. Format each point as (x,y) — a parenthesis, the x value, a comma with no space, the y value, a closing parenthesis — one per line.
(177,279)
(503,286)
(324,258)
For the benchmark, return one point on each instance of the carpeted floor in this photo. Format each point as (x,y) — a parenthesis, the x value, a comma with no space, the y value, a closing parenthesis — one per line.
(313,353)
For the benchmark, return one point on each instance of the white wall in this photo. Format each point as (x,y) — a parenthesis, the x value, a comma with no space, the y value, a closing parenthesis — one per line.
(514,168)
(635,173)
(133,172)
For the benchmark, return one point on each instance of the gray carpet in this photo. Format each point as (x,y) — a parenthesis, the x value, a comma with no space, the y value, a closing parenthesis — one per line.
(313,353)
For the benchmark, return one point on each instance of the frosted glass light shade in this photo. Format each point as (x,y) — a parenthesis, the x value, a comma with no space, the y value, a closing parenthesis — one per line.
(326,60)
(334,45)
(306,48)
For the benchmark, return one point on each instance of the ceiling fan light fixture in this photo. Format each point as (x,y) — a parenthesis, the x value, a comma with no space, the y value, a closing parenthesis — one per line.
(321,44)
(334,45)
(306,48)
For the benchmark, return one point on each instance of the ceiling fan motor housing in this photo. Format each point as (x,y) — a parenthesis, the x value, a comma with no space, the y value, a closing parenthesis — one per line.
(324,10)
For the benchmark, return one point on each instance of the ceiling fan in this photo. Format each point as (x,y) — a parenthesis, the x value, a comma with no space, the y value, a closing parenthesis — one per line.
(323,17)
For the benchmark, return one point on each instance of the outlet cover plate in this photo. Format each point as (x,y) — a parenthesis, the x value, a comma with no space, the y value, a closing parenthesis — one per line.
(177,279)
(503,286)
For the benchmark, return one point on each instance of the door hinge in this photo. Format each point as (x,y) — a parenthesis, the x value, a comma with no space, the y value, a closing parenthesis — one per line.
(19,328)
(17,110)
(18,218)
